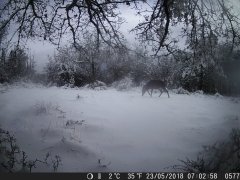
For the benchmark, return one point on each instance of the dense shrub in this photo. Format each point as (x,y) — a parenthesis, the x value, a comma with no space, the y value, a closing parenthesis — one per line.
(220,157)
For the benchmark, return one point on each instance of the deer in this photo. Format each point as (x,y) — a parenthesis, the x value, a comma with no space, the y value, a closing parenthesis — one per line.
(155,84)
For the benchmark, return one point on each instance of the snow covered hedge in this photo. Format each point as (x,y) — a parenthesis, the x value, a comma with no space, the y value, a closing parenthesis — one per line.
(97,85)
(180,90)
(123,84)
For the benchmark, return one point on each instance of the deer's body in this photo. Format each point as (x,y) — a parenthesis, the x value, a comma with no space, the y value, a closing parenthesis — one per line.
(155,84)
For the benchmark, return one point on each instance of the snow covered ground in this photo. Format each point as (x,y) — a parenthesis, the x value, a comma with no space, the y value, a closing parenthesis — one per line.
(110,130)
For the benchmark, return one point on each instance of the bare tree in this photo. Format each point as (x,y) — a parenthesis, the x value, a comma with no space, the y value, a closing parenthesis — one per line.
(198,20)
(50,20)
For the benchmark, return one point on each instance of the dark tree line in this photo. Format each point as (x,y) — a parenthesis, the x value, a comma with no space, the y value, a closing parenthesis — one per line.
(210,30)
(70,66)
(15,65)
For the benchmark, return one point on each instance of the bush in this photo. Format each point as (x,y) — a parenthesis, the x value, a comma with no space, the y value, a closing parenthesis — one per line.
(97,85)
(220,157)
(123,84)
(13,159)
(180,91)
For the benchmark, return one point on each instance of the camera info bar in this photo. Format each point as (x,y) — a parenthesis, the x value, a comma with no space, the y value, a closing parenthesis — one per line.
(125,176)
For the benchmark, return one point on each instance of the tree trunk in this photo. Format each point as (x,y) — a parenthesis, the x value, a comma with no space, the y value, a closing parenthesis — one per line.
(201,78)
(93,71)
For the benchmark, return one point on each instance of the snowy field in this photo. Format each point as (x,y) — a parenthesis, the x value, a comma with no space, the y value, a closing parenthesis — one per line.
(110,130)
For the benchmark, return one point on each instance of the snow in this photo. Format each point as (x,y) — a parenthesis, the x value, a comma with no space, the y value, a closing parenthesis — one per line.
(111,130)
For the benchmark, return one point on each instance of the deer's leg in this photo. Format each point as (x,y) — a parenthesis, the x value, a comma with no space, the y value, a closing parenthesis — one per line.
(151,92)
(160,92)
(167,92)
(148,92)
